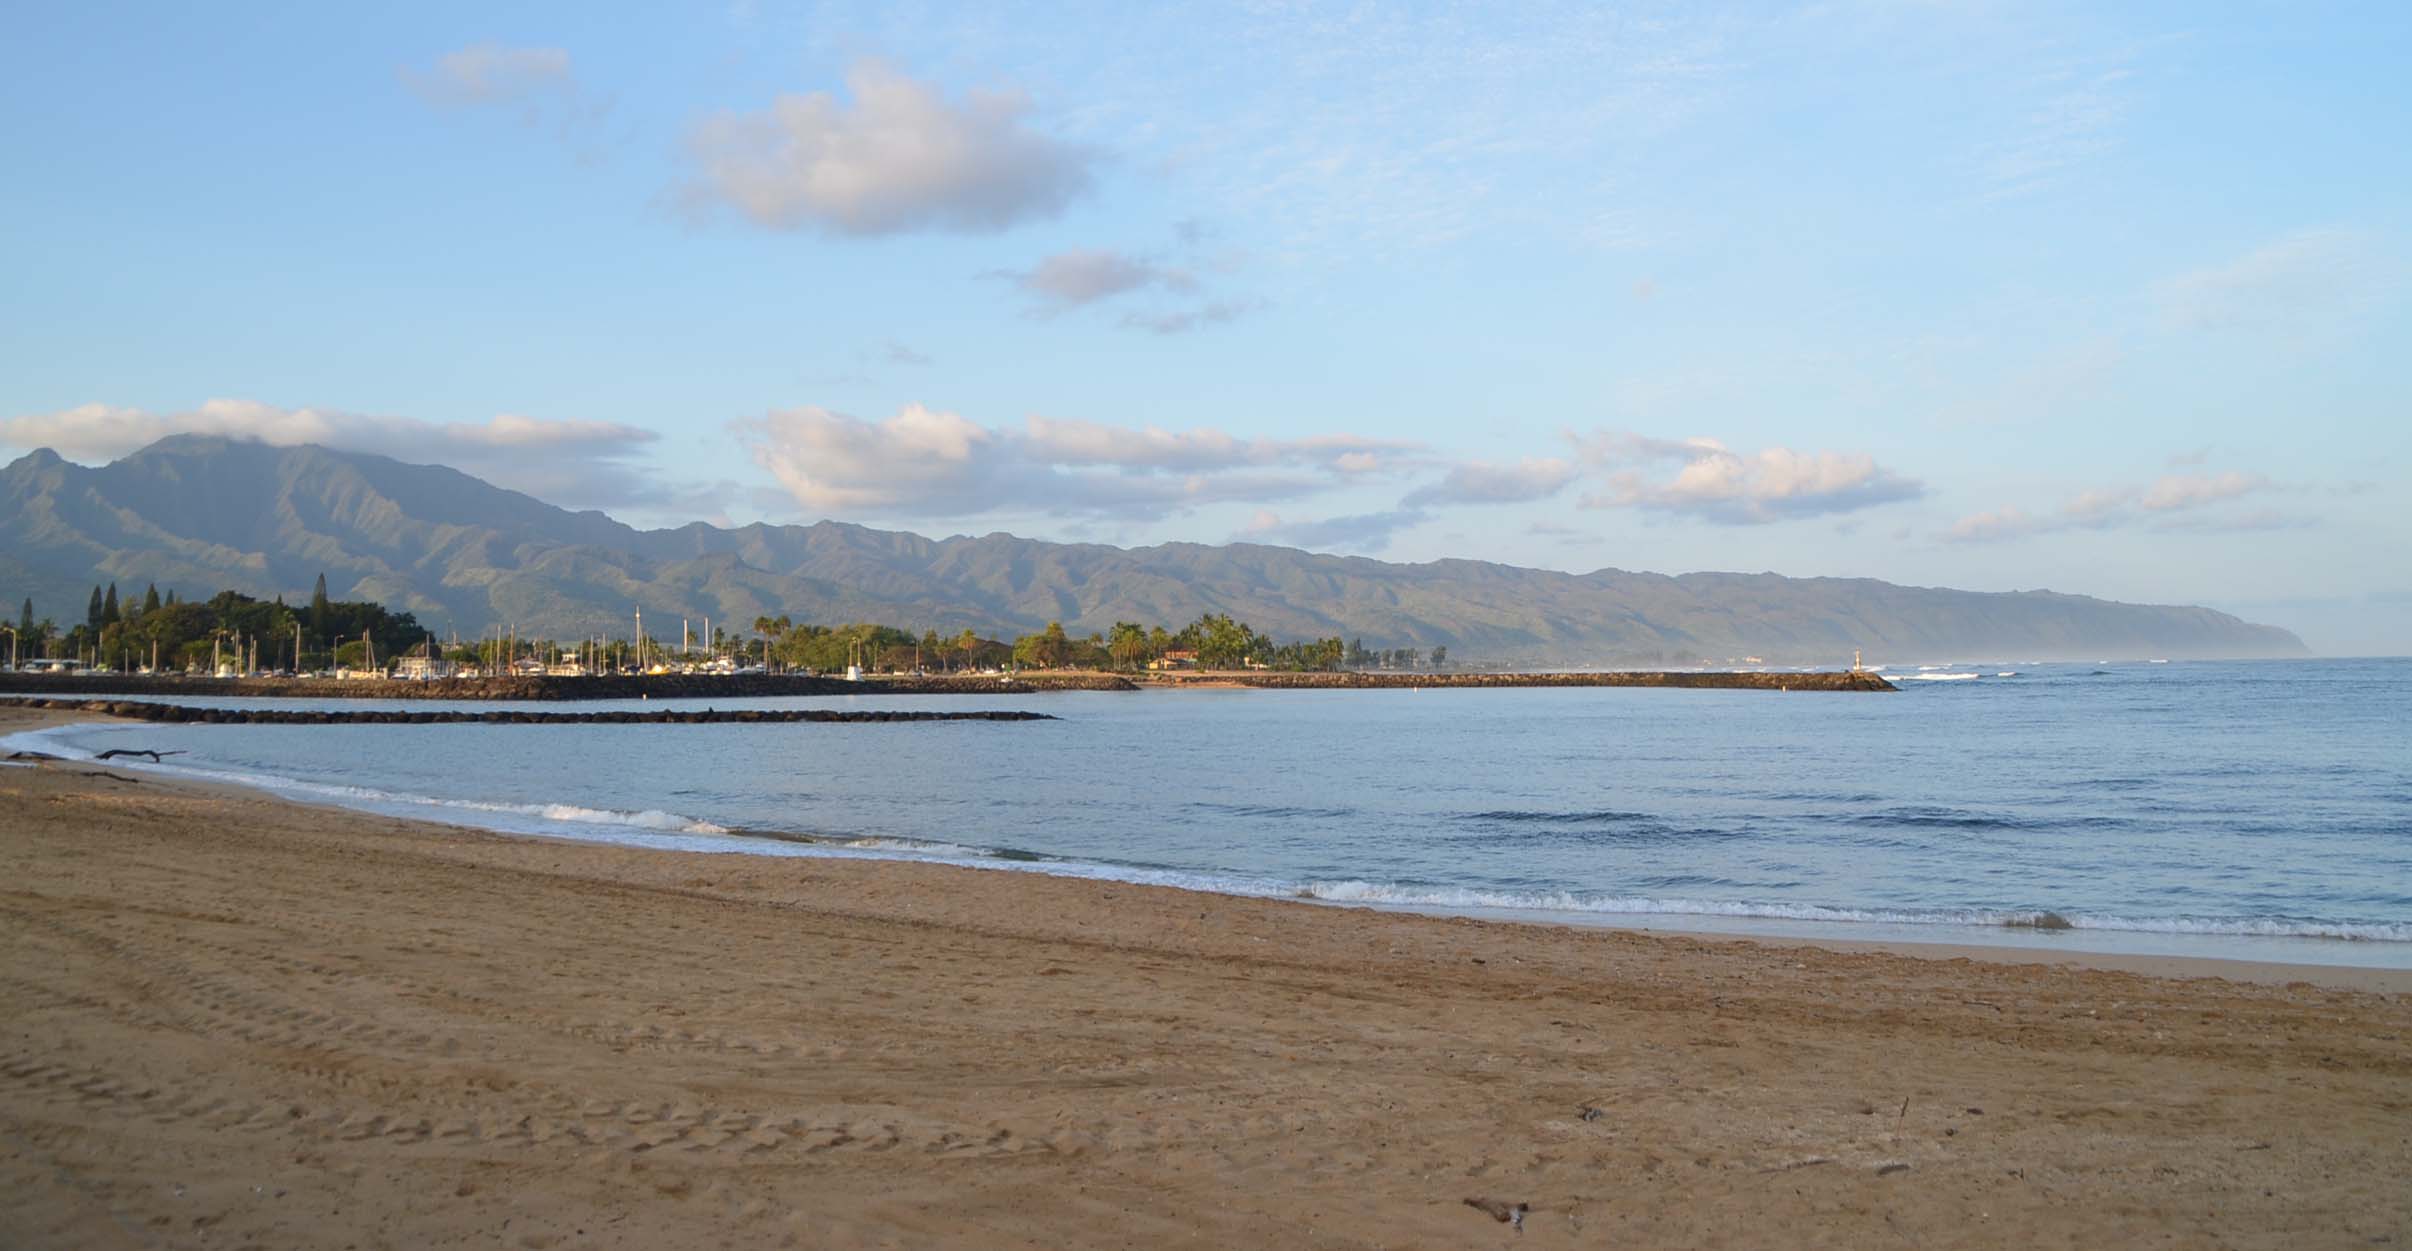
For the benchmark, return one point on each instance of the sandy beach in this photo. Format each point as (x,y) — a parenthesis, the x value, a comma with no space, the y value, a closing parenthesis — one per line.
(233,1021)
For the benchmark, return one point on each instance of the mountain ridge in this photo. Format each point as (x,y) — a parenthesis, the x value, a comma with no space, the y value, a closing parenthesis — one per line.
(203,513)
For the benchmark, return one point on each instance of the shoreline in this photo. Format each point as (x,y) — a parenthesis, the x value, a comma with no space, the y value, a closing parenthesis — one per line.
(235,1019)
(1773,933)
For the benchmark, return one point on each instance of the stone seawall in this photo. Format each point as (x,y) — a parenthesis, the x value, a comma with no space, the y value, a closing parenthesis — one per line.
(179,714)
(1827,681)
(630,686)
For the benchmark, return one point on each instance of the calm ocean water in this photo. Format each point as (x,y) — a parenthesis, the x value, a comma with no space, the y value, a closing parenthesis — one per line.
(2258,810)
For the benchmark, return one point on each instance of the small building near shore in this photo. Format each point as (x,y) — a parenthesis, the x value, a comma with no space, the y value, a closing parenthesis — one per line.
(423,668)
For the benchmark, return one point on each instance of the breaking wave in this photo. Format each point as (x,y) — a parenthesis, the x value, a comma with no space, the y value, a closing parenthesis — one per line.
(1453,898)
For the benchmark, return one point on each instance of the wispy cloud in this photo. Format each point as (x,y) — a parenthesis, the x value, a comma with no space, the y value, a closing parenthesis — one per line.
(538,86)
(2156,503)
(2076,119)
(1081,276)
(2289,283)
(1184,320)
(899,157)
(2184,490)
(488,74)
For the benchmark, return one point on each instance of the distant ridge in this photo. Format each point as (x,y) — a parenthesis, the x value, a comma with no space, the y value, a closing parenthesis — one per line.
(201,513)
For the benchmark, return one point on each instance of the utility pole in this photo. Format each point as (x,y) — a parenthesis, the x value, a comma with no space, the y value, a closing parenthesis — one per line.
(640,640)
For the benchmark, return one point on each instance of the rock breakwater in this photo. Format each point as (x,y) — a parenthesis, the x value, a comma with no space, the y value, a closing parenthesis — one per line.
(180,714)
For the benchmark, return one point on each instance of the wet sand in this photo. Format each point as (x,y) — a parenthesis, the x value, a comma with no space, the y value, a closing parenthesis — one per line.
(229,1021)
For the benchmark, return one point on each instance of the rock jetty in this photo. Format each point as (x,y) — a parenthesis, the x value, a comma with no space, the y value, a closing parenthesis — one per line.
(181,714)
(1842,680)
(557,689)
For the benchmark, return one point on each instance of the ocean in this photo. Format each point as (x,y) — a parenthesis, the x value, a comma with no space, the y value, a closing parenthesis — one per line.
(2256,810)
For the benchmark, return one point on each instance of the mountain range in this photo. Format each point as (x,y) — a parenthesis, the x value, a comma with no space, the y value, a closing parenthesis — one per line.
(201,514)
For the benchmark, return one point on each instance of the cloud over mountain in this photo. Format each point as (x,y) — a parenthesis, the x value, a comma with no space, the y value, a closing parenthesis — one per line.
(1714,483)
(922,462)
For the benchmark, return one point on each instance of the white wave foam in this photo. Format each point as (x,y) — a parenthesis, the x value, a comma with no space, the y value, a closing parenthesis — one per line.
(53,740)
(1451,898)
(1940,677)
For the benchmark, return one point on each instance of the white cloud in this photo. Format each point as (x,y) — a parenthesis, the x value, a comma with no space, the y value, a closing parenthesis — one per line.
(568,462)
(925,463)
(490,74)
(1715,483)
(1482,482)
(900,157)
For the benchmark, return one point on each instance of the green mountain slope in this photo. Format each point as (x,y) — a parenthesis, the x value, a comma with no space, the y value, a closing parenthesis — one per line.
(201,514)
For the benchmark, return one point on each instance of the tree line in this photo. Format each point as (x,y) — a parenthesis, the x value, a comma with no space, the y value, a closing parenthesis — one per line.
(1213,641)
(165,632)
(173,634)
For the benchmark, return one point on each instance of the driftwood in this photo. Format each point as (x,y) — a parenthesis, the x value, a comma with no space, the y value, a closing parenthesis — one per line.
(114,752)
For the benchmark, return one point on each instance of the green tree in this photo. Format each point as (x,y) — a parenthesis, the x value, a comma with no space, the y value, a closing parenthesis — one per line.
(25,622)
(1127,644)
(1440,657)
(320,608)
(92,615)
(109,615)
(150,600)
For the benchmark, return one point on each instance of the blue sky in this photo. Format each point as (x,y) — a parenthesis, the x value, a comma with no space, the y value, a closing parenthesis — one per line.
(2107,299)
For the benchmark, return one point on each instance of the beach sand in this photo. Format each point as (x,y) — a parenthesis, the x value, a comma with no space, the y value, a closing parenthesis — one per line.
(230,1021)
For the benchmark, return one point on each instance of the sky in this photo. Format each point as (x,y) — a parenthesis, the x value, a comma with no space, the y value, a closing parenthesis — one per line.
(2104,299)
